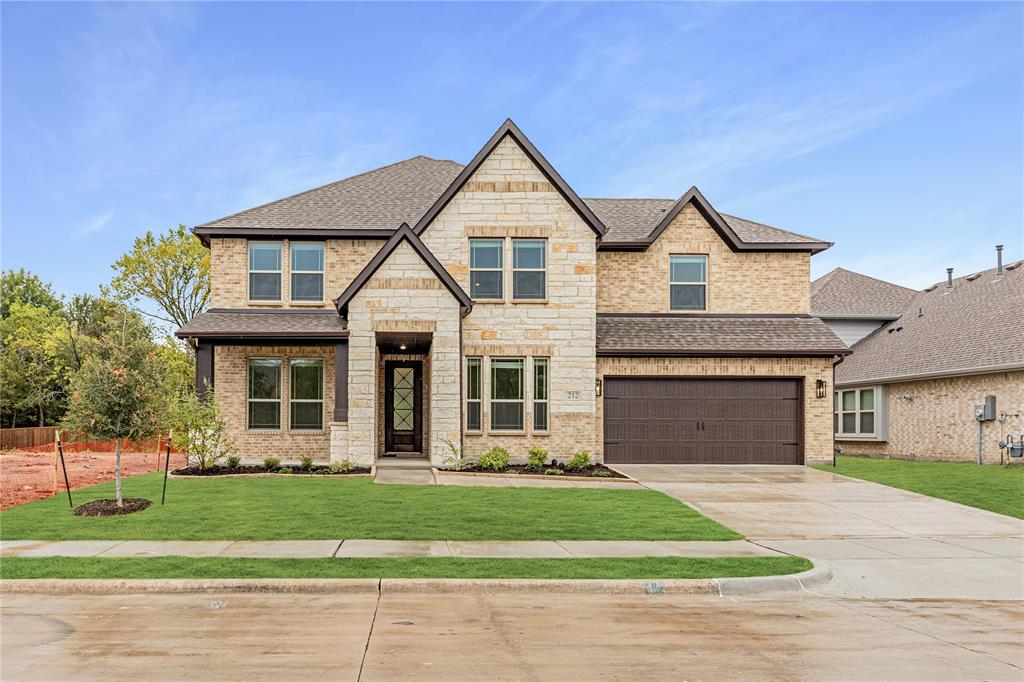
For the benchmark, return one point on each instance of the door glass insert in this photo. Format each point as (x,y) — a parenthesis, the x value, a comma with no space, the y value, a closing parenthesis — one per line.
(404,397)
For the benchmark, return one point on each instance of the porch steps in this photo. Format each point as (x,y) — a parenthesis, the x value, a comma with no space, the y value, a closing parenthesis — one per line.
(418,463)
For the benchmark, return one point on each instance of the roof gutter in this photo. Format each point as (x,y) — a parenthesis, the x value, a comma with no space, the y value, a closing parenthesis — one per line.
(972,371)
(206,233)
(682,353)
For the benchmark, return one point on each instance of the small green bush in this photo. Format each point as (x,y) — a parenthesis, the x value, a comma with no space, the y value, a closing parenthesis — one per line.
(494,459)
(535,460)
(284,470)
(234,461)
(343,467)
(306,463)
(602,473)
(580,461)
(555,472)
(271,463)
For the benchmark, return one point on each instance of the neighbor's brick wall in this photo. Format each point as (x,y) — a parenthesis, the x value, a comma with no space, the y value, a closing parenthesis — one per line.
(509,196)
(761,282)
(231,388)
(817,411)
(939,422)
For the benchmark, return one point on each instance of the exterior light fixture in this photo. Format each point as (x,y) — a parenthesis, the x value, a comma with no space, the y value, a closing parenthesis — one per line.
(597,388)
(819,388)
(401,347)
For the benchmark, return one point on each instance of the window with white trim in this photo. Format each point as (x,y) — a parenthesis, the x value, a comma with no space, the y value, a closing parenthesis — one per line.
(264,410)
(474,391)
(507,394)
(529,269)
(540,394)
(264,271)
(688,282)
(486,268)
(853,412)
(307,273)
(306,395)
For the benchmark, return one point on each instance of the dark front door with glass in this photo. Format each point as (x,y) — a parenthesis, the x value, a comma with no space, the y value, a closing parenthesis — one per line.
(403,407)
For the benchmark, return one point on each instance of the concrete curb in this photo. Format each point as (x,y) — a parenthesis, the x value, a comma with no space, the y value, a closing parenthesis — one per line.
(794,582)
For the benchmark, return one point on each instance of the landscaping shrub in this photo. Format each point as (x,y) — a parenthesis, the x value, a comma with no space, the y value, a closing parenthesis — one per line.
(555,472)
(601,473)
(535,460)
(234,461)
(306,463)
(494,459)
(580,461)
(343,467)
(454,459)
(271,463)
(199,430)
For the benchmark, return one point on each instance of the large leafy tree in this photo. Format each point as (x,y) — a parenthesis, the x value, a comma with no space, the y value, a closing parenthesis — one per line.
(171,270)
(21,286)
(30,367)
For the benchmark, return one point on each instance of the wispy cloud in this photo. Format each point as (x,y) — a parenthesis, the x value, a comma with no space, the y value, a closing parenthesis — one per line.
(97,223)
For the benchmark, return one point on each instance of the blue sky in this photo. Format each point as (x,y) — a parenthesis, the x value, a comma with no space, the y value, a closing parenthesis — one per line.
(894,130)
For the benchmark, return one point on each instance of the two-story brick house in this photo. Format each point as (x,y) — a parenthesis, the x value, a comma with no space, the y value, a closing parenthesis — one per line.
(427,302)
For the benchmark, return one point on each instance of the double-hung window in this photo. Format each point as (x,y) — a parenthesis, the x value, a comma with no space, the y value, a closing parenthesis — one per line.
(307,271)
(854,412)
(529,274)
(688,282)
(474,391)
(264,271)
(264,393)
(306,395)
(507,394)
(486,268)
(540,394)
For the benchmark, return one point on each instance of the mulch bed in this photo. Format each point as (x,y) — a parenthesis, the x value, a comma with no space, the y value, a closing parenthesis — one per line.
(110,508)
(589,472)
(288,470)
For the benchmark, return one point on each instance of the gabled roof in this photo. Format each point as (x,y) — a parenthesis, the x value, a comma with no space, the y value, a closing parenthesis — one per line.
(851,295)
(242,324)
(972,329)
(510,129)
(403,233)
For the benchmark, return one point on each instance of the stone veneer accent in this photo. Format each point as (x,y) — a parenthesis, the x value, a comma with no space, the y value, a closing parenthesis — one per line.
(738,282)
(817,411)
(939,422)
(232,390)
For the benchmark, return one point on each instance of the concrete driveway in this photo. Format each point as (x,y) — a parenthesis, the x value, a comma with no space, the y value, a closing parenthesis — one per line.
(879,541)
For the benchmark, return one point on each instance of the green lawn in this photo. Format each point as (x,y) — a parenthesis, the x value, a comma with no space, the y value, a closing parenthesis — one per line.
(988,486)
(325,508)
(181,567)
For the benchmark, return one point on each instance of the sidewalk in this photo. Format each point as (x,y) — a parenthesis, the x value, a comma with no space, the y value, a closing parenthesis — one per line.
(321,549)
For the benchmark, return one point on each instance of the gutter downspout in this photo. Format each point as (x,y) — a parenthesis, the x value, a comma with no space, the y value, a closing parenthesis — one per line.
(839,360)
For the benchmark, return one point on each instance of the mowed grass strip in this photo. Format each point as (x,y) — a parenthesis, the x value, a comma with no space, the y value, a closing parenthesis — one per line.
(406,567)
(327,508)
(987,486)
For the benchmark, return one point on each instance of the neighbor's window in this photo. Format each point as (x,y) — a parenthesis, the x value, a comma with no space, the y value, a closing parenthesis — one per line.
(688,282)
(507,394)
(264,393)
(307,271)
(854,412)
(529,278)
(264,271)
(486,268)
(306,395)
(540,394)
(474,389)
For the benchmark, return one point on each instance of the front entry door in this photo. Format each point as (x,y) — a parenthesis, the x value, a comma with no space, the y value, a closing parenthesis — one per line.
(403,408)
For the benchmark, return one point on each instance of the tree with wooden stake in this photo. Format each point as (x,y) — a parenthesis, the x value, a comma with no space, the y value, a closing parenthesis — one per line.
(116,395)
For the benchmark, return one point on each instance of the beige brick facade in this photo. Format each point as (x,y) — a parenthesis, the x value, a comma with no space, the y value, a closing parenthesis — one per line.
(934,418)
(745,282)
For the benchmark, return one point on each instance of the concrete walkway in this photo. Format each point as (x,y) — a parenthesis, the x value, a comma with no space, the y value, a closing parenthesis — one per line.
(321,549)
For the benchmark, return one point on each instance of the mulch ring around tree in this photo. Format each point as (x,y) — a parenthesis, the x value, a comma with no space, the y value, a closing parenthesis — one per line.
(110,508)
(256,470)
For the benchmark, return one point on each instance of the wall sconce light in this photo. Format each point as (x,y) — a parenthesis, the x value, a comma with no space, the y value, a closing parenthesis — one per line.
(908,396)
(597,388)
(819,388)
(401,347)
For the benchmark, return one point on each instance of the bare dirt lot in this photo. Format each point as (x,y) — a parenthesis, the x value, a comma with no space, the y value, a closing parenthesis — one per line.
(27,476)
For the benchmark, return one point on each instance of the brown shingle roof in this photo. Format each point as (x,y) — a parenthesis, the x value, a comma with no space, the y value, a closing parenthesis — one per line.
(226,323)
(843,293)
(973,328)
(716,335)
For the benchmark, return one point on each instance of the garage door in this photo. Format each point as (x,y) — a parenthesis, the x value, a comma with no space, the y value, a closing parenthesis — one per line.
(657,420)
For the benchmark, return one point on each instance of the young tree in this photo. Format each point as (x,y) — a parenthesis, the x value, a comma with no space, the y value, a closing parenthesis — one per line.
(116,395)
(171,269)
(199,430)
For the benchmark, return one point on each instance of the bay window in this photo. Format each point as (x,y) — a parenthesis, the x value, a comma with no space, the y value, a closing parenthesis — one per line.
(853,412)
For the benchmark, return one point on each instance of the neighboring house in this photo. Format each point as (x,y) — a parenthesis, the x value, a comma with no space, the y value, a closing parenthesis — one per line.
(910,389)
(428,302)
(854,305)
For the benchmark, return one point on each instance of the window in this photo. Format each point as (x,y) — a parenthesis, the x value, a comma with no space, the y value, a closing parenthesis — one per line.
(507,394)
(854,412)
(688,280)
(540,394)
(264,394)
(474,381)
(486,268)
(306,395)
(528,269)
(264,271)
(307,271)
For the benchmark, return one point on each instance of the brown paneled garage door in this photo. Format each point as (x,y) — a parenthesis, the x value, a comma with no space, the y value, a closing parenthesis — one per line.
(663,420)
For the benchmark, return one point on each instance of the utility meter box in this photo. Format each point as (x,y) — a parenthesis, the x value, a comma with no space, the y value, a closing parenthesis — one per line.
(986,412)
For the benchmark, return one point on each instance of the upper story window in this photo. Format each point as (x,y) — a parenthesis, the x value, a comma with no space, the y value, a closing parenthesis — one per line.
(307,271)
(688,282)
(264,411)
(486,268)
(264,271)
(529,274)
(854,412)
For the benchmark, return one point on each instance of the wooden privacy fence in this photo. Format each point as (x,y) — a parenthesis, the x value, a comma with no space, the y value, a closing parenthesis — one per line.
(16,439)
